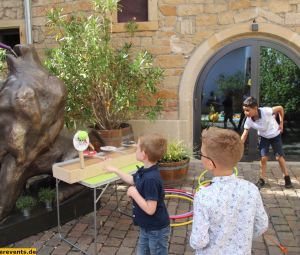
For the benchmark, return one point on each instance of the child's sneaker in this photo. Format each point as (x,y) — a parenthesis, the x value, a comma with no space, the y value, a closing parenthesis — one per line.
(288,184)
(260,183)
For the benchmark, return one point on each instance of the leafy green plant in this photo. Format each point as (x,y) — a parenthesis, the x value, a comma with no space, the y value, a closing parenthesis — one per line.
(280,80)
(231,84)
(2,62)
(25,202)
(176,151)
(106,85)
(46,194)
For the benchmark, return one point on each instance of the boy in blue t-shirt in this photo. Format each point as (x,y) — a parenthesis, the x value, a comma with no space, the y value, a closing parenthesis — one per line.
(149,210)
(263,120)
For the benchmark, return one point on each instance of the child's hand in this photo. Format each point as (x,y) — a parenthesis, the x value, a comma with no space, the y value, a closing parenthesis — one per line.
(131,191)
(281,127)
(111,169)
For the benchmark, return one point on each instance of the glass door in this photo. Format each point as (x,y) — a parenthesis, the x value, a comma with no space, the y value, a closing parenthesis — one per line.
(266,70)
(280,85)
(222,87)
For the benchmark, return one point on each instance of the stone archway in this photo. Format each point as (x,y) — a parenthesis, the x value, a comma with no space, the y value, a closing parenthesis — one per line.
(208,48)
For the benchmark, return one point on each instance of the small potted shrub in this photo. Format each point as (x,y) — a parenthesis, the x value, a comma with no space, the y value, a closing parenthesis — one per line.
(46,196)
(175,163)
(25,204)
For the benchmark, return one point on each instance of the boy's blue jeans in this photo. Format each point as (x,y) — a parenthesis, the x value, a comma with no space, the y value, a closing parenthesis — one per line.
(153,242)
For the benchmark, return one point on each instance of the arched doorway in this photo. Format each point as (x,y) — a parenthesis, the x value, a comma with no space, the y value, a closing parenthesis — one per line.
(259,67)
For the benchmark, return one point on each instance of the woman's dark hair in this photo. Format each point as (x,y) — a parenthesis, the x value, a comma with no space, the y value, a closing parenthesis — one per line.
(250,102)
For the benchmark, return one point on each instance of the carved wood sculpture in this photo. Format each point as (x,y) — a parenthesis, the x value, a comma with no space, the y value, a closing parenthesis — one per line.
(31,117)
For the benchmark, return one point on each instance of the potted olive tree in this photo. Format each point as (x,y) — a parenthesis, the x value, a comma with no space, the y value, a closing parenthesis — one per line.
(175,163)
(25,204)
(46,196)
(107,85)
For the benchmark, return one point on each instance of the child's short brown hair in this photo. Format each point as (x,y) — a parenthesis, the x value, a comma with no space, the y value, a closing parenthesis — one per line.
(154,145)
(223,146)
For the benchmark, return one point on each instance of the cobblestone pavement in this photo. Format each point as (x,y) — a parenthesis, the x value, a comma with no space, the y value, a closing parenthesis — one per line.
(117,235)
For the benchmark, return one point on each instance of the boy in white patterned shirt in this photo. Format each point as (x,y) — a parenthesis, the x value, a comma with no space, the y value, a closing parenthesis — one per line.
(229,213)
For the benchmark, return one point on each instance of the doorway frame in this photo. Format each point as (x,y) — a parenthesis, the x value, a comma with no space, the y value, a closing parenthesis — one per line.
(207,49)
(255,44)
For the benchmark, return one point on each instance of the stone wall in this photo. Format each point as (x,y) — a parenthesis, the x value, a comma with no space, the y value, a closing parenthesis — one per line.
(11,10)
(183,25)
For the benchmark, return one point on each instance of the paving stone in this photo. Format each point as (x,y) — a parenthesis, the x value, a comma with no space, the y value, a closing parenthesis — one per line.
(288,211)
(80,227)
(129,242)
(258,245)
(274,250)
(104,230)
(291,217)
(284,203)
(46,250)
(102,238)
(290,242)
(62,249)
(176,249)
(285,235)
(23,244)
(91,249)
(74,233)
(294,249)
(47,235)
(86,239)
(38,244)
(278,220)
(55,241)
(282,228)
(125,251)
(259,252)
(112,241)
(117,233)
(179,232)
(108,250)
(177,240)
(275,212)
(132,233)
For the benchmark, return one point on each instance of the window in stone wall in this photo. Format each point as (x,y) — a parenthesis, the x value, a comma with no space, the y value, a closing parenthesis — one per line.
(10,37)
(137,11)
(144,12)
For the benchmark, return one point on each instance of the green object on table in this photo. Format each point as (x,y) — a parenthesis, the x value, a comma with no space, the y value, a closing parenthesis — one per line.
(82,135)
(109,177)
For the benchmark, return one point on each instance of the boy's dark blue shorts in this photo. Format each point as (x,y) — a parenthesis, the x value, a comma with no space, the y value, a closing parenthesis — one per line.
(275,142)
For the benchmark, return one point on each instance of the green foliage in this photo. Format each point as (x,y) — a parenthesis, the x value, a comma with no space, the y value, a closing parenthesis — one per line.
(131,27)
(25,202)
(46,194)
(231,84)
(2,61)
(280,80)
(106,86)
(176,151)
